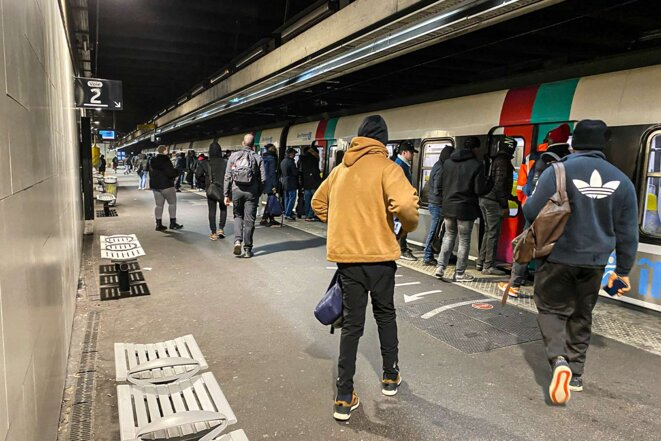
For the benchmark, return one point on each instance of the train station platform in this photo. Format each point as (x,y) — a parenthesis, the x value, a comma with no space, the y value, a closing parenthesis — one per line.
(470,371)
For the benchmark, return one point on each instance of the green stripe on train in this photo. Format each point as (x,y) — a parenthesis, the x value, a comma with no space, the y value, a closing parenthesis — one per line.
(552,104)
(329,133)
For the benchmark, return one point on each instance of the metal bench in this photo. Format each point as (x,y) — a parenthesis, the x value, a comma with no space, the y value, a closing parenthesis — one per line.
(163,362)
(119,249)
(190,409)
(108,200)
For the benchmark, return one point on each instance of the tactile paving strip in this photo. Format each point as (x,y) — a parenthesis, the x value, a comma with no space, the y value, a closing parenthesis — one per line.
(113,292)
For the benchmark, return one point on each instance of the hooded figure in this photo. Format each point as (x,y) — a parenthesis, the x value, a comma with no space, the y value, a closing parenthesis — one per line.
(212,172)
(359,200)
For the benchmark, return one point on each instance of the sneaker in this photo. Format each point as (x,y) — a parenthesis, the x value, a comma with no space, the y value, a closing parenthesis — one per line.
(576,383)
(493,271)
(463,277)
(290,218)
(264,223)
(430,262)
(237,248)
(559,391)
(220,234)
(440,272)
(213,236)
(343,408)
(479,266)
(515,291)
(389,387)
(247,253)
(408,255)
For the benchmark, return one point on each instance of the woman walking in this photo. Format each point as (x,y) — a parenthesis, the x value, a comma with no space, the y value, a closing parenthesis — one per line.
(161,180)
(143,171)
(212,172)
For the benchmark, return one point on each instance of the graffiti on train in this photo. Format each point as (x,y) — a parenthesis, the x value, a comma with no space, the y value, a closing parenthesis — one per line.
(645,277)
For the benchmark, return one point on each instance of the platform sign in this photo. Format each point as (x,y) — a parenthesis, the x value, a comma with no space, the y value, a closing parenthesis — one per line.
(96,93)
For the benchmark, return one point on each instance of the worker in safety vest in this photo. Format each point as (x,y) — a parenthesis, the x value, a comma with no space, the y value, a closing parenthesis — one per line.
(558,135)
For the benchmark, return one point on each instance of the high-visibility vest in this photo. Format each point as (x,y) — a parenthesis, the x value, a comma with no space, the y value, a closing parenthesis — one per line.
(525,168)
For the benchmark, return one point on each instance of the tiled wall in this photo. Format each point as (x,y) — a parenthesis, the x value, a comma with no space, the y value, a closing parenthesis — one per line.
(40,217)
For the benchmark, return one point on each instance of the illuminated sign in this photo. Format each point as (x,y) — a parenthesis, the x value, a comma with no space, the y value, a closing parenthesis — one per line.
(96,93)
(107,134)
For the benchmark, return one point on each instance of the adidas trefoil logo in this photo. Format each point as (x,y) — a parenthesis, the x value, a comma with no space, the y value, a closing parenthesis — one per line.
(595,189)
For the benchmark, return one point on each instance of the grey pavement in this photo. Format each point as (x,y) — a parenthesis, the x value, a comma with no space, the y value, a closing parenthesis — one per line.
(277,365)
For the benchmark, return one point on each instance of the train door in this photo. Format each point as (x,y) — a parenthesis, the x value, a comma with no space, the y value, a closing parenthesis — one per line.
(513,223)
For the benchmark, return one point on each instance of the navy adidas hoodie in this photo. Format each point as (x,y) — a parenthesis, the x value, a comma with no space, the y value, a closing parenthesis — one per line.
(604,212)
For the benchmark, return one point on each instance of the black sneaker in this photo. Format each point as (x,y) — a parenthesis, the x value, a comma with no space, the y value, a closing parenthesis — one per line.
(430,262)
(408,255)
(247,253)
(237,248)
(576,383)
(389,387)
(493,271)
(273,222)
(479,266)
(559,390)
(343,409)
(264,223)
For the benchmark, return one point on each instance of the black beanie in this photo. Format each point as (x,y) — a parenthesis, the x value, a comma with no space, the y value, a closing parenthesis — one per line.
(590,134)
(472,142)
(374,127)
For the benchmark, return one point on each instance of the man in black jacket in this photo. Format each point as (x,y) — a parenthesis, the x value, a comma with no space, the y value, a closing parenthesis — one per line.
(434,200)
(161,181)
(309,177)
(495,205)
(604,217)
(462,182)
(289,180)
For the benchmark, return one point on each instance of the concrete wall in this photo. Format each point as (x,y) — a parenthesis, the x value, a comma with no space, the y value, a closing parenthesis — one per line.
(40,217)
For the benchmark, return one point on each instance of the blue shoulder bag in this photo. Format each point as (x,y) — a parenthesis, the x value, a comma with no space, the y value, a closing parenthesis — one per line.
(329,309)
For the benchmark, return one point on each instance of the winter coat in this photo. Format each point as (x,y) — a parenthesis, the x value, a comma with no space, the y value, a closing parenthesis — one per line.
(406,168)
(502,176)
(360,199)
(102,165)
(604,213)
(308,168)
(270,160)
(161,173)
(212,166)
(180,164)
(462,182)
(435,194)
(288,174)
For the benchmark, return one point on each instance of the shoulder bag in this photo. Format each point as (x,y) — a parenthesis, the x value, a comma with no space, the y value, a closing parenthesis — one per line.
(213,190)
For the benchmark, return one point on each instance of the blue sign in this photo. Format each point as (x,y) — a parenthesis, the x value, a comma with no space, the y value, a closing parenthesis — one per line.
(107,134)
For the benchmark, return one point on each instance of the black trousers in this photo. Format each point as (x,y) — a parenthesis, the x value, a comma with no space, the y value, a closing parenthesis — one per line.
(492,216)
(403,245)
(357,280)
(212,214)
(245,211)
(565,297)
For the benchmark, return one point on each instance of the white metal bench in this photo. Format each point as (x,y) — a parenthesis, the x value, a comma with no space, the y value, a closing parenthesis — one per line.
(163,362)
(189,409)
(107,199)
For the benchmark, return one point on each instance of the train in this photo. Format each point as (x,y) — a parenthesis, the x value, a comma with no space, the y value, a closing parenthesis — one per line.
(629,101)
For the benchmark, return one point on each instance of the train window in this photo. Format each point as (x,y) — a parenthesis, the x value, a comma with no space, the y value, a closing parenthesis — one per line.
(652,209)
(332,157)
(430,153)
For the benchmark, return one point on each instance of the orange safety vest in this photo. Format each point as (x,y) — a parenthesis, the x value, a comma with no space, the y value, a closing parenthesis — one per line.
(524,169)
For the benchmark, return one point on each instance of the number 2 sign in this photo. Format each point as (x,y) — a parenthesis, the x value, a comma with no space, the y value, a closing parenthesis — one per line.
(97,93)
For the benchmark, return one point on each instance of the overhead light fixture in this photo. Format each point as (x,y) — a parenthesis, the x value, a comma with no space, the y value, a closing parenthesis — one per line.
(308,18)
(197,90)
(245,60)
(219,77)
(182,100)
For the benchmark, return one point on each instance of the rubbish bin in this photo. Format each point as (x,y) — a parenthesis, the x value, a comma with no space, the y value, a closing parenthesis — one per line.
(110,184)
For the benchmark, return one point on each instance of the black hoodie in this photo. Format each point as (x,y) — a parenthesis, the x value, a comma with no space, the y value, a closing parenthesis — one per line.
(462,181)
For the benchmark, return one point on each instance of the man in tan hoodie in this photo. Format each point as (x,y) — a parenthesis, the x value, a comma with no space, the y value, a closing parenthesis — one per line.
(359,200)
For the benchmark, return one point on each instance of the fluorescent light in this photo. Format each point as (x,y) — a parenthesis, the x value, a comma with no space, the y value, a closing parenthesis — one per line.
(220,77)
(249,57)
(199,89)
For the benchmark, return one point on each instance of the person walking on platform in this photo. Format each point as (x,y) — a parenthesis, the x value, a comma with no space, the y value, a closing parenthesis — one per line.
(404,160)
(604,217)
(289,180)
(191,162)
(212,172)
(180,165)
(270,160)
(495,205)
(115,162)
(102,165)
(128,163)
(143,171)
(434,199)
(359,201)
(309,177)
(161,181)
(462,182)
(244,181)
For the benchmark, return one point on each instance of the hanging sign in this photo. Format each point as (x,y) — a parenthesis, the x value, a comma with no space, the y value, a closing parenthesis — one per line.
(96,93)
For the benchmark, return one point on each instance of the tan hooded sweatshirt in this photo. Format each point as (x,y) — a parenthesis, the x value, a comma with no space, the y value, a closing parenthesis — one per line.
(359,199)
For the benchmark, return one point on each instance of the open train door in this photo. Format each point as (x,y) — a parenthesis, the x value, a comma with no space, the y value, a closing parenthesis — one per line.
(512,225)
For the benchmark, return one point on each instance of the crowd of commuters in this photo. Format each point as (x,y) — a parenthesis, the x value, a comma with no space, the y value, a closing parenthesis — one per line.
(370,206)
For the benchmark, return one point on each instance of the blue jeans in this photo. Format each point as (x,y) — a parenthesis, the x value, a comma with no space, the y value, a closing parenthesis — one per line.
(456,227)
(290,200)
(143,180)
(436,214)
(307,194)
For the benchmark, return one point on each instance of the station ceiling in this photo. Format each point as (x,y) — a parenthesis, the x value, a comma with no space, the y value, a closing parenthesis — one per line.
(160,49)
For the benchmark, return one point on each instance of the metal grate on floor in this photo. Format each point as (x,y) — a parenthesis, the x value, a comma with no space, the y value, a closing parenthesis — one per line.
(83,400)
(110,269)
(101,213)
(113,292)
(111,279)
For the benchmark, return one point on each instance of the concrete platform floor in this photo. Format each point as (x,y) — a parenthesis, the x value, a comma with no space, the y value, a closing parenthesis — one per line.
(277,365)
